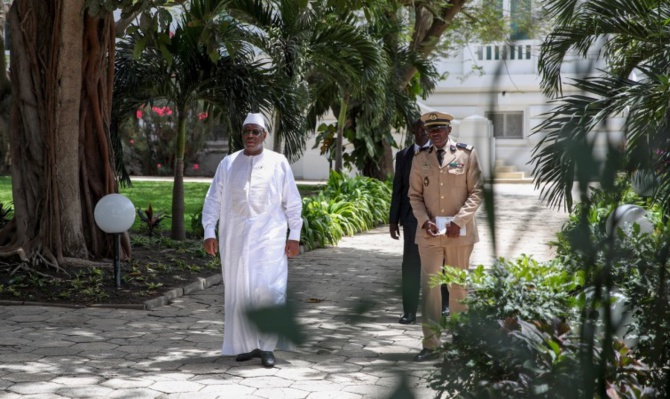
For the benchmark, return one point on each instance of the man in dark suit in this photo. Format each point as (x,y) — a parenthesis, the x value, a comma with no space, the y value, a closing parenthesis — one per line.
(401,215)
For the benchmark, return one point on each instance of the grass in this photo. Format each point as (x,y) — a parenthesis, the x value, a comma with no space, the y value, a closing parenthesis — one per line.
(159,195)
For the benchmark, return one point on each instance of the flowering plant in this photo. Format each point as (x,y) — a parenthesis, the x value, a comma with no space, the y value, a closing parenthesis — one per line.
(150,137)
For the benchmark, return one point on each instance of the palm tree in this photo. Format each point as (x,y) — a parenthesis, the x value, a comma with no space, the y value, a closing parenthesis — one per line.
(631,36)
(282,29)
(326,55)
(186,71)
(347,64)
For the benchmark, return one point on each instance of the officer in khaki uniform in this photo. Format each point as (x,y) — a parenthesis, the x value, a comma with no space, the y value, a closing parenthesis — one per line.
(450,188)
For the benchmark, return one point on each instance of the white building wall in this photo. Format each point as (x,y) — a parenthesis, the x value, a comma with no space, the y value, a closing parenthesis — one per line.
(480,81)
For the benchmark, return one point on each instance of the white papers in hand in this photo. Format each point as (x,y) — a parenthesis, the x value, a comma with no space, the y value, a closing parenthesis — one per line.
(443,221)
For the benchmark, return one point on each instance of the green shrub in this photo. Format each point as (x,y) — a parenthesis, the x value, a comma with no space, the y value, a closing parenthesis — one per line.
(521,339)
(345,206)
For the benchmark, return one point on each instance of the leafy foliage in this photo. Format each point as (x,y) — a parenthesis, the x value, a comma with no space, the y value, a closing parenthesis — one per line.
(630,82)
(152,221)
(344,207)
(516,339)
(6,213)
(150,139)
(593,322)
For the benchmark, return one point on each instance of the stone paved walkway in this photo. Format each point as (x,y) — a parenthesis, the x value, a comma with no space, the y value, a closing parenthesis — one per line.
(173,351)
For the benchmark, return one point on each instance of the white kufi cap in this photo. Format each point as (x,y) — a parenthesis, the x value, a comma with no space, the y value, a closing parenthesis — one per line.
(256,119)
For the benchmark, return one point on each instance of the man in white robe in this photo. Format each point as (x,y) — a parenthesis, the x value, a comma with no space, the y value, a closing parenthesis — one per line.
(255,200)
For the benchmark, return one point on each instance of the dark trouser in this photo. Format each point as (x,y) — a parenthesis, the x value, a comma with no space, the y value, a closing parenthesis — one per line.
(411,270)
(445,296)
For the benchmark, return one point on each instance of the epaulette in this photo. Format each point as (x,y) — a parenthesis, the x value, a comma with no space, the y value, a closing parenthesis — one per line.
(465,146)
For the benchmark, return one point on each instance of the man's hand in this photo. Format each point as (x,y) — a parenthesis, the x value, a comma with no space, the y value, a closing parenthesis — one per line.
(394,230)
(292,248)
(453,231)
(210,246)
(431,228)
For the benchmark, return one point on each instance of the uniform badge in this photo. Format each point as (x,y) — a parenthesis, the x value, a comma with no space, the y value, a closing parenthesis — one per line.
(432,117)
(452,148)
(426,181)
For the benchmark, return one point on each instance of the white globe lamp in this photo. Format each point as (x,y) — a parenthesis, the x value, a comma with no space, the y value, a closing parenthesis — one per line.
(115,214)
(625,216)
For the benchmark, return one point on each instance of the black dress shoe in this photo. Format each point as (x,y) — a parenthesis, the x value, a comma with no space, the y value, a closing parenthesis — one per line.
(267,359)
(426,354)
(407,318)
(243,357)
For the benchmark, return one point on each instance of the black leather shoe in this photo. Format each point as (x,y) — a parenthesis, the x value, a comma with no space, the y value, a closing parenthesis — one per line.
(243,357)
(426,354)
(445,311)
(267,359)
(407,318)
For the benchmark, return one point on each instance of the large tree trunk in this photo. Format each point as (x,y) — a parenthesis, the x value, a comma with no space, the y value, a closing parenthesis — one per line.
(339,138)
(178,231)
(62,75)
(5,97)
(276,143)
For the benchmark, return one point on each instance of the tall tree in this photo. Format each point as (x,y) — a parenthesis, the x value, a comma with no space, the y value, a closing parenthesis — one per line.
(630,36)
(62,71)
(61,74)
(282,29)
(180,68)
(414,35)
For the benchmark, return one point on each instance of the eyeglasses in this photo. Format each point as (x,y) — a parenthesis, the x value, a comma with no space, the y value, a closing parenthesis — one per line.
(255,132)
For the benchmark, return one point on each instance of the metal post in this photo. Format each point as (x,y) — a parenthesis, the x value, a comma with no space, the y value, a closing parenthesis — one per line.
(117,263)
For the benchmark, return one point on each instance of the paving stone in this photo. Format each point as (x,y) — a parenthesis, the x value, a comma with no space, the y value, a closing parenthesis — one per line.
(266,382)
(6,359)
(209,380)
(317,386)
(176,386)
(28,377)
(78,380)
(228,391)
(281,393)
(34,388)
(134,393)
(370,391)
(301,373)
(333,395)
(127,383)
(89,391)
(95,346)
(252,371)
(335,366)
(56,351)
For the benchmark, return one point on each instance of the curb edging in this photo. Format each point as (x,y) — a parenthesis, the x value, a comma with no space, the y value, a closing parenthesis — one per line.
(169,296)
(200,284)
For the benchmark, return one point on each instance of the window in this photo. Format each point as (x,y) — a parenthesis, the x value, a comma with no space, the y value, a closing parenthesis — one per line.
(519,14)
(507,125)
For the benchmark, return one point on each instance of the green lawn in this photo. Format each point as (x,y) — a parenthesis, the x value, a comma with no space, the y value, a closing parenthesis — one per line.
(5,190)
(159,195)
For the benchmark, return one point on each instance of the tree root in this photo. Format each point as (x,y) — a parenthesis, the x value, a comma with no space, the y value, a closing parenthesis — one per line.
(30,270)
(15,252)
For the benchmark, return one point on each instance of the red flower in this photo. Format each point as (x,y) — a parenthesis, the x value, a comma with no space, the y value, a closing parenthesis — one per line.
(158,165)
(131,141)
(196,166)
(202,115)
(138,114)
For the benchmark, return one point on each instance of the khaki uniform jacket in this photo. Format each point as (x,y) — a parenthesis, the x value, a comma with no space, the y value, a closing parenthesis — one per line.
(451,190)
